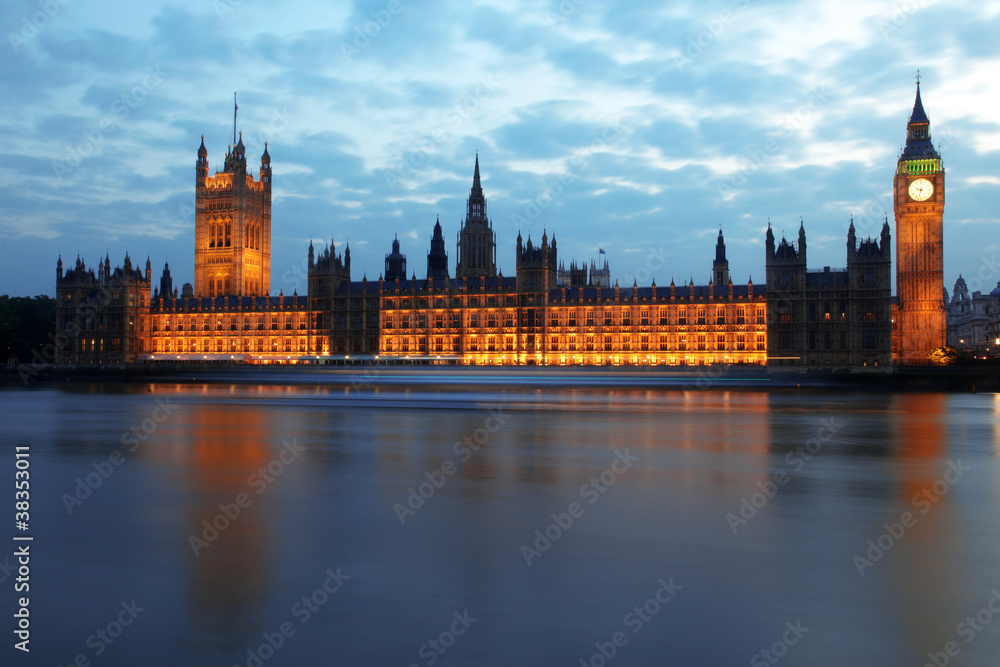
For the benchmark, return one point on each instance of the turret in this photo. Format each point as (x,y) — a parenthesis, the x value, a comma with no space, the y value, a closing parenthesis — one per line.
(166,282)
(437,258)
(720,267)
(265,167)
(395,263)
(201,166)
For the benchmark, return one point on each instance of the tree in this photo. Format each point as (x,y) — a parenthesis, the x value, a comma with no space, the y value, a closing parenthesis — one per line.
(945,356)
(25,325)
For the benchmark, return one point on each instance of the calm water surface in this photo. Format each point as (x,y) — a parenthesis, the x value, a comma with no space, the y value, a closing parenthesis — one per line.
(417,506)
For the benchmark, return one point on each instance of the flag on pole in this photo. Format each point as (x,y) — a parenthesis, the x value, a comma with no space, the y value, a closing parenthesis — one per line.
(601,251)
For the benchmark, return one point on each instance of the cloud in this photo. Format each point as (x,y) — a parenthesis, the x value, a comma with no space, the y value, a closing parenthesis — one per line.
(803,104)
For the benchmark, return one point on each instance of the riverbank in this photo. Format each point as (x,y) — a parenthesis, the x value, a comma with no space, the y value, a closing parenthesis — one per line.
(910,378)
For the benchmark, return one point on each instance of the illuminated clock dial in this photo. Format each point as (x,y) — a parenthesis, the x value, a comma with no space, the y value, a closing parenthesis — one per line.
(921,189)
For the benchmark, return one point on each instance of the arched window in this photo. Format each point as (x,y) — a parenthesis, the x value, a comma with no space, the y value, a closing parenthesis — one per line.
(211,286)
(211,236)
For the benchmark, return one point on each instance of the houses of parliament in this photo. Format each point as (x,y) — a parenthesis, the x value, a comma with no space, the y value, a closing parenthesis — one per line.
(544,314)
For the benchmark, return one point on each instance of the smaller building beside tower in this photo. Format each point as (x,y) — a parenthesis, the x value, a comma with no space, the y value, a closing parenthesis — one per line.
(974,320)
(829,318)
(100,318)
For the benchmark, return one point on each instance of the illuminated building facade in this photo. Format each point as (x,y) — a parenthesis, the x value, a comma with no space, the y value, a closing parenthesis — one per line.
(544,314)
(533,318)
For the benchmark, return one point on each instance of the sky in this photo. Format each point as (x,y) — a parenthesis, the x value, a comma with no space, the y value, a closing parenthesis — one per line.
(639,128)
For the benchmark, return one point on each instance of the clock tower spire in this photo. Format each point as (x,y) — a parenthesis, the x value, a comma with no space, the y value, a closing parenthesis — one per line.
(918,203)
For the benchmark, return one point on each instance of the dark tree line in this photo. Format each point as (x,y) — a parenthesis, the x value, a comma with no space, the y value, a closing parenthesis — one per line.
(26,324)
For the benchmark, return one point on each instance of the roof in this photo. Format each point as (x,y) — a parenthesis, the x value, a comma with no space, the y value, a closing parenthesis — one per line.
(719,293)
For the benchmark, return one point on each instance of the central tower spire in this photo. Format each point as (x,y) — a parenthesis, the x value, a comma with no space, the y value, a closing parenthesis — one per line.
(477,254)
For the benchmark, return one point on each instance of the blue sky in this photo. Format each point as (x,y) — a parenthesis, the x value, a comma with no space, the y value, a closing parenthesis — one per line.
(639,128)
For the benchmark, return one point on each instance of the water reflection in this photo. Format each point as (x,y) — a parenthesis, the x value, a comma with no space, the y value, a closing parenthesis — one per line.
(232,570)
(924,559)
(699,453)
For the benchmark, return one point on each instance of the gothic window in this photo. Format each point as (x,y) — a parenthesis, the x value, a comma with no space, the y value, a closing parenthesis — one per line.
(741,315)
(682,318)
(701,316)
(211,236)
(229,234)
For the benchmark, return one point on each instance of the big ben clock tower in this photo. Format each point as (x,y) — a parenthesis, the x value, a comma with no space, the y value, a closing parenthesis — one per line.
(918,203)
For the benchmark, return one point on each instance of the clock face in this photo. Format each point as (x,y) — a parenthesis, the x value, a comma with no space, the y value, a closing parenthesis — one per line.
(921,189)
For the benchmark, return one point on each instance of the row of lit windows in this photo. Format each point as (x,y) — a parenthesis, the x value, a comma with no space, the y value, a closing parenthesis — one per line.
(229,345)
(493,319)
(257,321)
(646,342)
